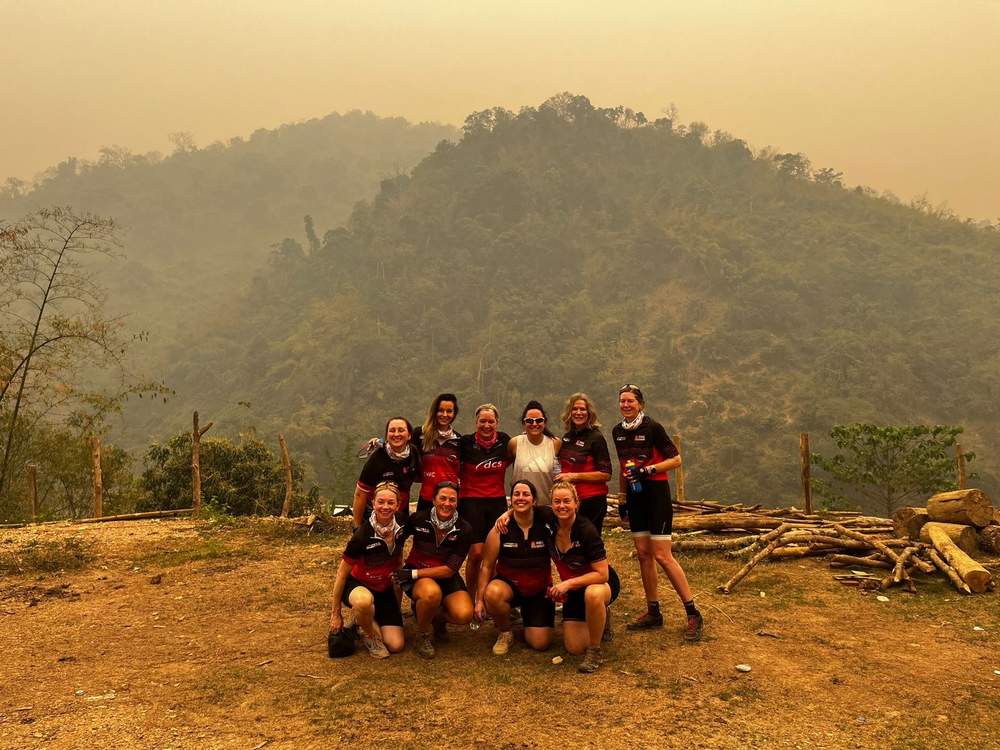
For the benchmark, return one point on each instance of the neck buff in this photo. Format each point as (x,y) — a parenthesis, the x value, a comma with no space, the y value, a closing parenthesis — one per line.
(440,525)
(635,422)
(389,530)
(405,453)
(446,434)
(488,445)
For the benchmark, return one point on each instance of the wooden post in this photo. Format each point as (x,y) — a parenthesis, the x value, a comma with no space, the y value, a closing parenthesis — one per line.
(33,492)
(680,472)
(196,464)
(95,453)
(288,477)
(807,492)
(961,466)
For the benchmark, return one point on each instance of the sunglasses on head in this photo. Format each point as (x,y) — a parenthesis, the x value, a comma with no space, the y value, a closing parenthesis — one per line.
(533,420)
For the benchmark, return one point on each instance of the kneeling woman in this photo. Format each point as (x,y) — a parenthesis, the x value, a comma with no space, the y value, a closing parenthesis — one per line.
(588,584)
(430,577)
(364,579)
(523,574)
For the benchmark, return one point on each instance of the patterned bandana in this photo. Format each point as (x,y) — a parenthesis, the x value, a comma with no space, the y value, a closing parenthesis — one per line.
(384,531)
(440,525)
(405,453)
(635,422)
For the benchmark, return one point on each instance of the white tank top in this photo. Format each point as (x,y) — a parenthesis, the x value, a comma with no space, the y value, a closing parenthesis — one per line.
(535,463)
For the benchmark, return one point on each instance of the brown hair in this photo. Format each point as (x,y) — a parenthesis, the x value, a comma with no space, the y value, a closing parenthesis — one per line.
(591,411)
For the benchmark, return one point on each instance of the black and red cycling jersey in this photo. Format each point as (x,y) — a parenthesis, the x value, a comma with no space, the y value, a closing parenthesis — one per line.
(646,444)
(369,554)
(441,464)
(484,470)
(586,546)
(380,467)
(525,561)
(586,450)
(427,553)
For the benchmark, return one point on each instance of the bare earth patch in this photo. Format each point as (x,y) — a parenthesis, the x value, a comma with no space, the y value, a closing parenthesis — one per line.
(228,650)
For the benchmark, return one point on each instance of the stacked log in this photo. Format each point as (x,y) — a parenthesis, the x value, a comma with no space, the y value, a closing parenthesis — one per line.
(965,537)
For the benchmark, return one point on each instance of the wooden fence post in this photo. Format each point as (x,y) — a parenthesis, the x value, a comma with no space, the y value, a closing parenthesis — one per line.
(33,491)
(961,466)
(807,492)
(680,471)
(288,477)
(196,464)
(95,454)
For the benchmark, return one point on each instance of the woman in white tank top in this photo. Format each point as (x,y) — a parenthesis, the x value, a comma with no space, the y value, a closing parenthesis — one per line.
(534,452)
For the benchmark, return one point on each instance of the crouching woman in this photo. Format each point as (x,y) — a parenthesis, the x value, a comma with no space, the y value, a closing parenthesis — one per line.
(364,579)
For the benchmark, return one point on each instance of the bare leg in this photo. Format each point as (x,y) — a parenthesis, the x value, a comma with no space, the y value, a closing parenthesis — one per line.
(472,565)
(664,556)
(427,596)
(498,596)
(458,608)
(363,604)
(538,638)
(647,567)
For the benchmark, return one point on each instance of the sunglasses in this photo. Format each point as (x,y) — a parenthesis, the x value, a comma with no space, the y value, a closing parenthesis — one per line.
(534,420)
(627,387)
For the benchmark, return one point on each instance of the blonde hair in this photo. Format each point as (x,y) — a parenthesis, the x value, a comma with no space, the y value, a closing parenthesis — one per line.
(488,407)
(566,486)
(391,486)
(591,411)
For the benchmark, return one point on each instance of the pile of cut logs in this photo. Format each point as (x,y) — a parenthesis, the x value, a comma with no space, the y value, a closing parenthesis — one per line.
(940,537)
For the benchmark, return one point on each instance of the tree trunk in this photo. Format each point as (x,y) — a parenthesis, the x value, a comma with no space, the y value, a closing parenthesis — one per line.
(288,477)
(196,465)
(679,473)
(945,568)
(989,539)
(33,491)
(971,507)
(907,522)
(95,454)
(965,537)
(974,574)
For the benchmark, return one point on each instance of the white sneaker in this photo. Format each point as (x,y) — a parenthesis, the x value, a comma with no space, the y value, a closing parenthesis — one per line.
(375,647)
(503,643)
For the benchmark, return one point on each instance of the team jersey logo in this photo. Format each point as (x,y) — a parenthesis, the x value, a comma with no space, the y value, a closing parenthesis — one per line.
(620,439)
(493,463)
(374,545)
(510,544)
(579,443)
(537,545)
(640,438)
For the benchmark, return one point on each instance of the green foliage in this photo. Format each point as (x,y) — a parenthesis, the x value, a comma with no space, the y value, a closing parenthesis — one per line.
(46,556)
(236,479)
(888,467)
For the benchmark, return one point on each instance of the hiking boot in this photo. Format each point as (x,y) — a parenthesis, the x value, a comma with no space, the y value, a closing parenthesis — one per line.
(591,661)
(503,643)
(645,621)
(441,632)
(693,632)
(375,646)
(608,635)
(423,646)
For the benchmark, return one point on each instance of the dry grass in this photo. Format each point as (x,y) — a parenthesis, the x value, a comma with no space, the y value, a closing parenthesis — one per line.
(213,656)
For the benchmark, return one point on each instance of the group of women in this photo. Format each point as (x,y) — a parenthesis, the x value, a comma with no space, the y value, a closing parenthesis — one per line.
(558,500)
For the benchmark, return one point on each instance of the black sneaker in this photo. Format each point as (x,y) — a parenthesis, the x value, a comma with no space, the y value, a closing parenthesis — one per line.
(441,632)
(591,661)
(645,621)
(693,632)
(608,635)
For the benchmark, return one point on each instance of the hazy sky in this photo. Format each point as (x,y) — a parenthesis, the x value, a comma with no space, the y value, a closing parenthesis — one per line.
(897,94)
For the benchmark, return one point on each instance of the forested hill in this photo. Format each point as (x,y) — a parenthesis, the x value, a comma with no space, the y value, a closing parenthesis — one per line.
(201,221)
(567,248)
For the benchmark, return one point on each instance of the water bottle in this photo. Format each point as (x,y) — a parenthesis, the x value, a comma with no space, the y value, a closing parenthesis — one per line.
(556,467)
(633,484)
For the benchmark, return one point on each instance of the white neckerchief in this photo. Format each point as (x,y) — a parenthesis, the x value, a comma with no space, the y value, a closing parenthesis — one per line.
(440,525)
(446,434)
(382,531)
(405,453)
(626,425)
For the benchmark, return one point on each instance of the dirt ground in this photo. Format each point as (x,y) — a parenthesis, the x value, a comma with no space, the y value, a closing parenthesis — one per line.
(227,650)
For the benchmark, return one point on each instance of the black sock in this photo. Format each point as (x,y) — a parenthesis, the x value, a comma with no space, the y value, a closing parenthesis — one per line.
(692,611)
(653,608)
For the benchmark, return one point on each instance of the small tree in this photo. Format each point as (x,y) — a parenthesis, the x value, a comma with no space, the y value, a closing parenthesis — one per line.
(887,467)
(54,335)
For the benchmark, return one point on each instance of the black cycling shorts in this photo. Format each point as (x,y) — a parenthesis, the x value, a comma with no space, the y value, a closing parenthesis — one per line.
(448,586)
(575,608)
(594,509)
(537,610)
(651,512)
(386,607)
(482,513)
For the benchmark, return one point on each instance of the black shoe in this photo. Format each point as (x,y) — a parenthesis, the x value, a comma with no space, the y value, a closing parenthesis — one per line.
(693,632)
(441,632)
(645,621)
